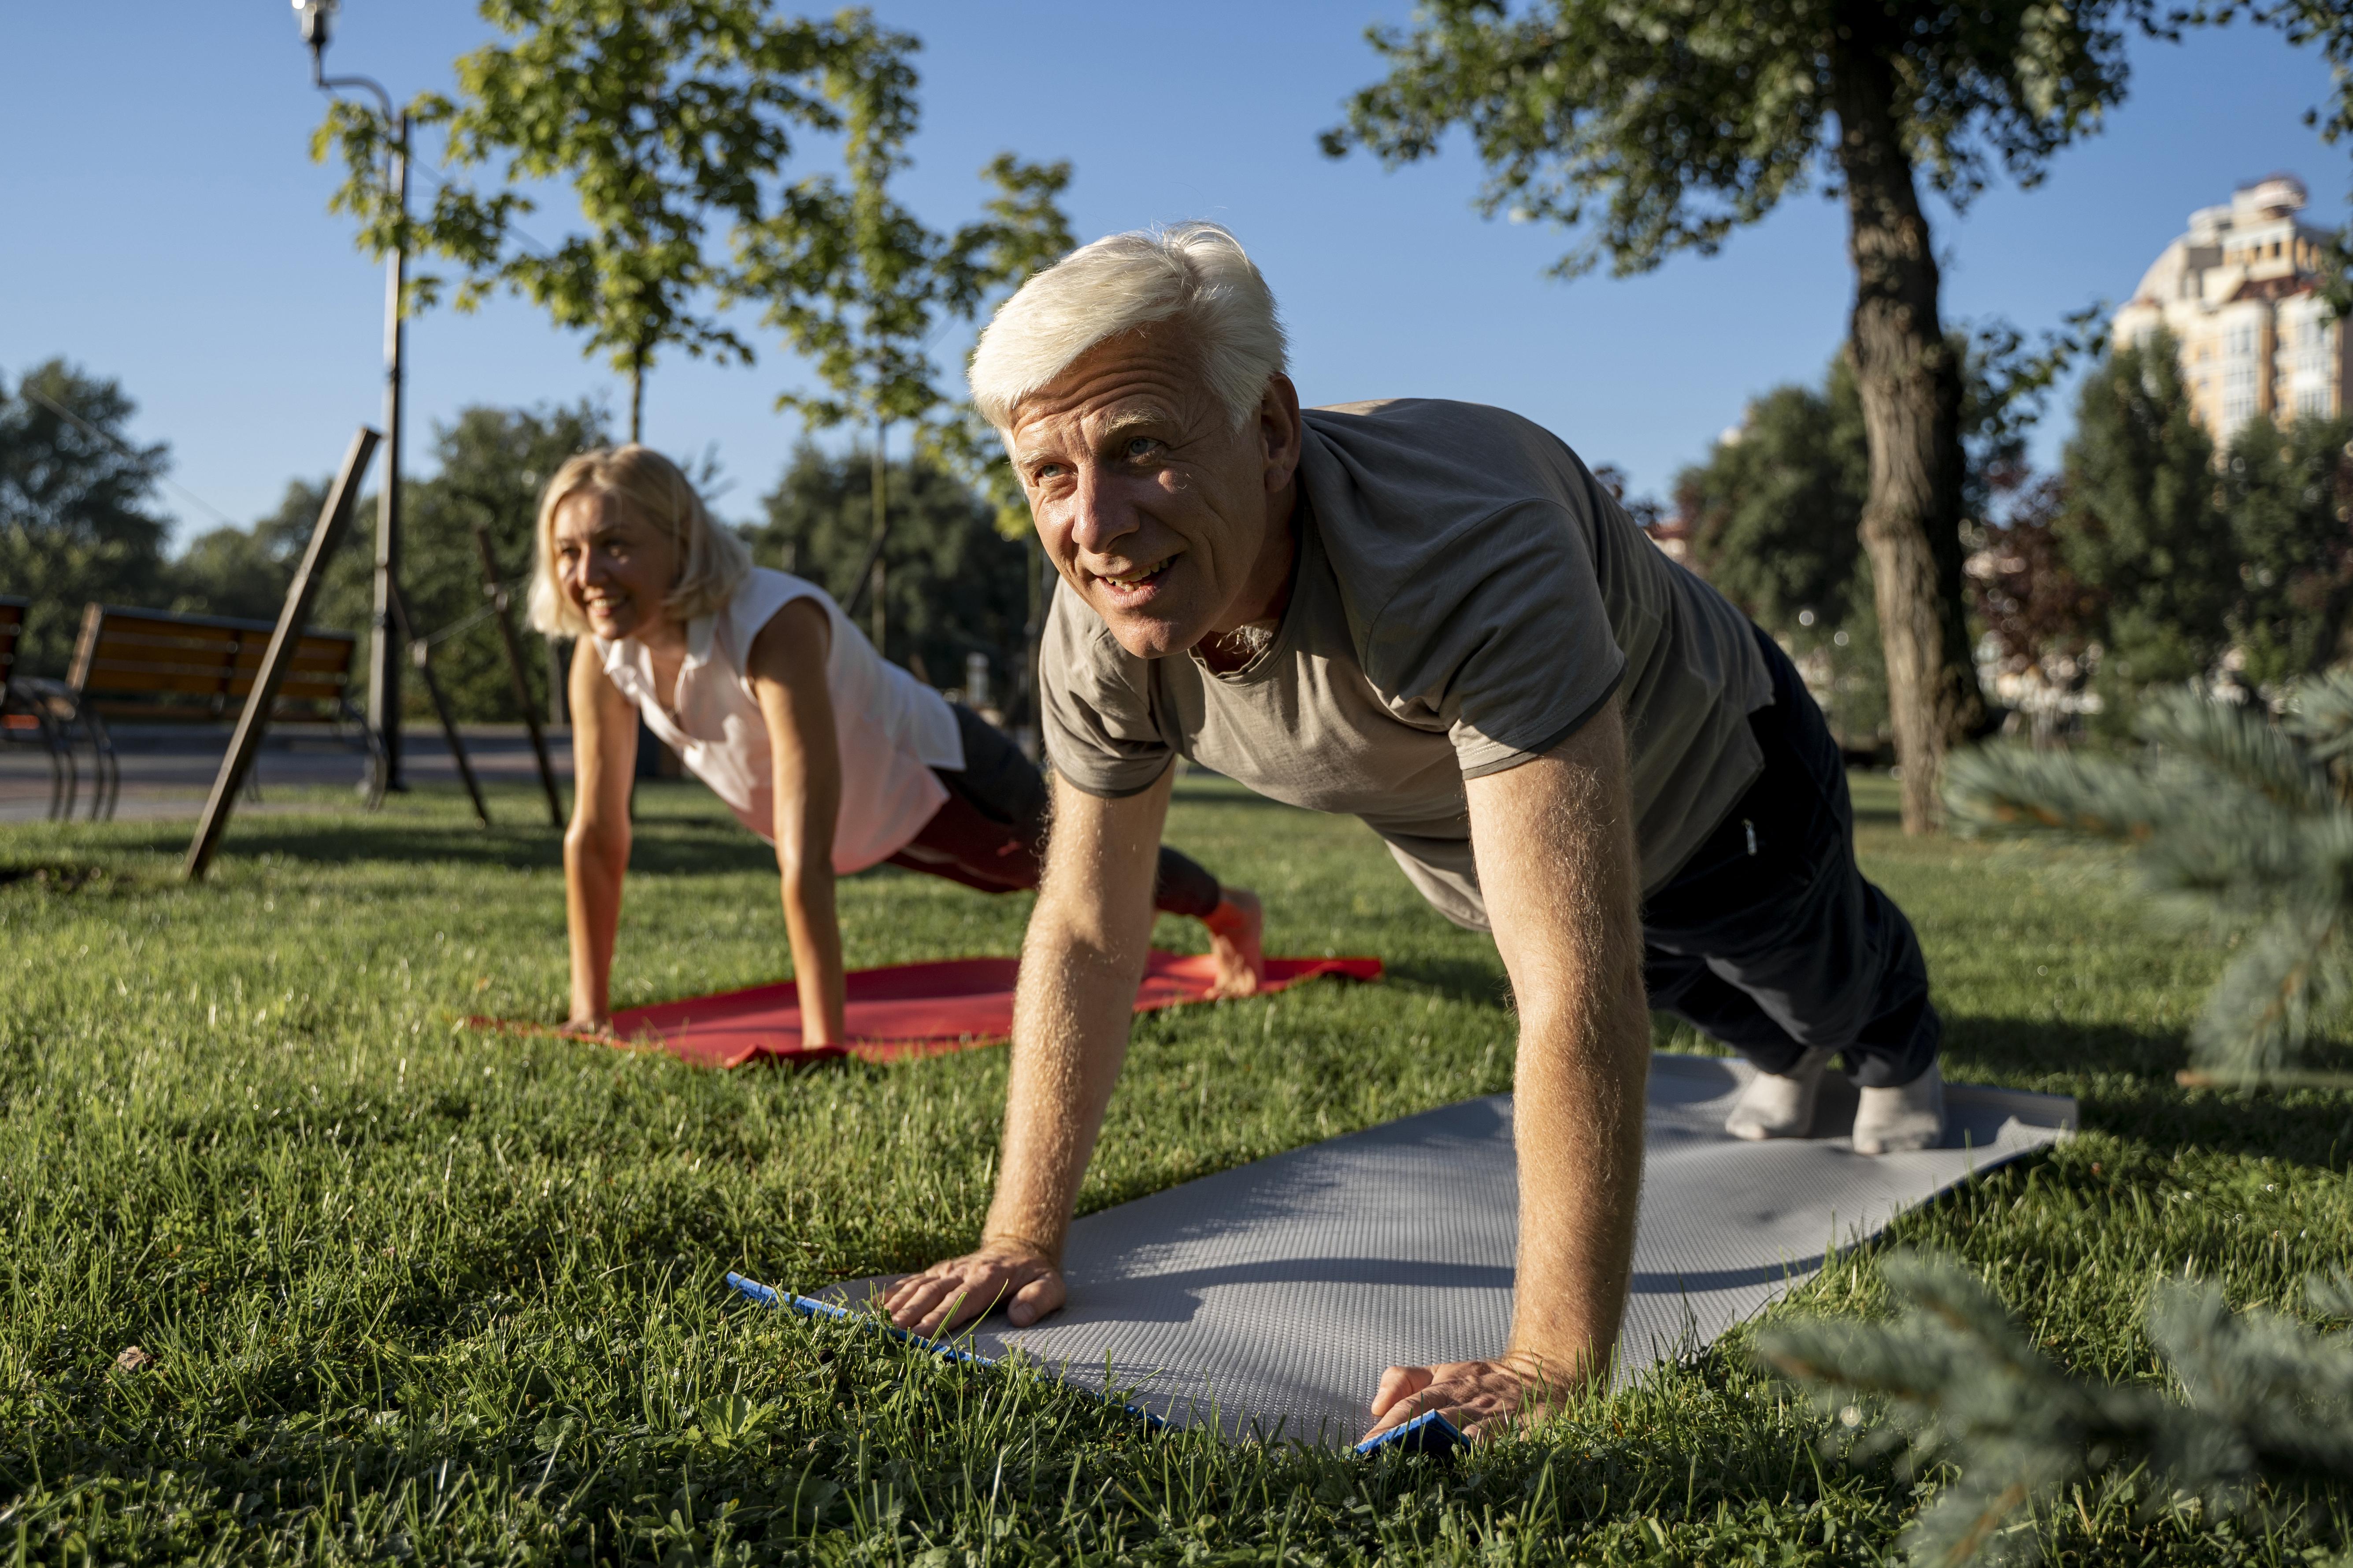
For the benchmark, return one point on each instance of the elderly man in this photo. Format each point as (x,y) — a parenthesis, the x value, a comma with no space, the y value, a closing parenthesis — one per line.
(1427,614)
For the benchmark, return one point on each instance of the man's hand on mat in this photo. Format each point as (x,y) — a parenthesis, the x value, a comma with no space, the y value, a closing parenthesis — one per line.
(1481,1397)
(958,1291)
(1235,927)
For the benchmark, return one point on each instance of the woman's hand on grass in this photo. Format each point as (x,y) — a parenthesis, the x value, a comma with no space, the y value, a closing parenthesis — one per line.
(961,1290)
(1479,1397)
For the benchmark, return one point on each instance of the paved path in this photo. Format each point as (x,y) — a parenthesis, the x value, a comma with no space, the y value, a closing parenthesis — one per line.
(168,770)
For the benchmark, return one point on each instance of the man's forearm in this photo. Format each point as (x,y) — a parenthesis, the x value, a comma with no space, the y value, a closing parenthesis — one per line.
(1578,1122)
(1565,896)
(1079,966)
(1070,1020)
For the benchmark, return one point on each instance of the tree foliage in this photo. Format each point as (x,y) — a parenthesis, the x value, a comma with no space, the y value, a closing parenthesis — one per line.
(2041,620)
(2143,522)
(490,466)
(1773,512)
(2234,820)
(1773,517)
(2289,494)
(862,290)
(955,585)
(244,572)
(2265,1406)
(1649,128)
(665,118)
(1654,127)
(77,518)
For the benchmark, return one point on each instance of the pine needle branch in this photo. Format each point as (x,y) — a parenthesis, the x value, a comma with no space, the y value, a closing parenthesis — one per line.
(2267,1409)
(2245,821)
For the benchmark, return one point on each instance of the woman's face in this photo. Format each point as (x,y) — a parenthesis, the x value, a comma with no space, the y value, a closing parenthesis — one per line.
(615,566)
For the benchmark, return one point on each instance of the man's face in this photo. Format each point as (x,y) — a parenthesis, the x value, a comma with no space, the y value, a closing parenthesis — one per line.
(1162,515)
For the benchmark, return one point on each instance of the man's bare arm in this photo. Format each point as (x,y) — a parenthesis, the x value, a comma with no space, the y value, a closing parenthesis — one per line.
(1081,965)
(1554,844)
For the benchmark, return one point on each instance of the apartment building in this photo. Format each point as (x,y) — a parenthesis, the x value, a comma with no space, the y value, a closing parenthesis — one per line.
(2239,293)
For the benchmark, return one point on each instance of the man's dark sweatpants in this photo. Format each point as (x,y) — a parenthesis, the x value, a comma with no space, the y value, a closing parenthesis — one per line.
(1770,941)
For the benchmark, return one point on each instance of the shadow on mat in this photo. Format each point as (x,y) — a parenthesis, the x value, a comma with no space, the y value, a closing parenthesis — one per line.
(1145,1300)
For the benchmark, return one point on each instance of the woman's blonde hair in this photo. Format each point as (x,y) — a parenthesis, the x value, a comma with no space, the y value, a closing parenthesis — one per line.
(712,563)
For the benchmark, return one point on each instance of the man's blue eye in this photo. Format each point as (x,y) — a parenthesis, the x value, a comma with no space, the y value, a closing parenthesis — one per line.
(1140,446)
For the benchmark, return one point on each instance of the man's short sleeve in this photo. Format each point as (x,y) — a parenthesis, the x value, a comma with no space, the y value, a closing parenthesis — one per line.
(1100,732)
(1507,638)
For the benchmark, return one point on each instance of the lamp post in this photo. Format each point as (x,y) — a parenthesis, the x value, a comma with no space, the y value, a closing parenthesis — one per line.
(384,662)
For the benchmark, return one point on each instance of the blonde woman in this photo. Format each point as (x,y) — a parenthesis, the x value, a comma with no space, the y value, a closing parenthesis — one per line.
(770,696)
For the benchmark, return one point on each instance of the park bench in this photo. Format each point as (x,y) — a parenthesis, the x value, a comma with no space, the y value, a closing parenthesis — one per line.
(27,718)
(154,666)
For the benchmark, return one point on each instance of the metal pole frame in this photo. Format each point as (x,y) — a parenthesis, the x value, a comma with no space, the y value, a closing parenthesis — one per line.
(384,650)
(254,721)
(420,654)
(494,588)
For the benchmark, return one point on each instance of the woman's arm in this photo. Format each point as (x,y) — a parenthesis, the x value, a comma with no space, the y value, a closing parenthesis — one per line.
(597,845)
(786,668)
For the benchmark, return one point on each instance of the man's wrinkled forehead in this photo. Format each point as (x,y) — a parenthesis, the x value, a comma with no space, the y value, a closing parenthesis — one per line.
(1143,379)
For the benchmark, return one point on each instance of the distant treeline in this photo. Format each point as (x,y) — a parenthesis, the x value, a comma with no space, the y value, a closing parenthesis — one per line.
(81,521)
(2152,557)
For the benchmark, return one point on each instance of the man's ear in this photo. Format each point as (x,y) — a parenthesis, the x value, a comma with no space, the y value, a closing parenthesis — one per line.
(1280,430)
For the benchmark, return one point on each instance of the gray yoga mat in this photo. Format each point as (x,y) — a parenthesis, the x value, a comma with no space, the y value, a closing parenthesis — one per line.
(1269,1298)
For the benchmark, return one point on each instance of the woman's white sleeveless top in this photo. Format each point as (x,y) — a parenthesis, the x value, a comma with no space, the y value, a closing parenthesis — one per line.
(893,730)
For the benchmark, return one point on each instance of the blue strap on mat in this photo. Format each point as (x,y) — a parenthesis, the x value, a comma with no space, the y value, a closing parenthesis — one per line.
(809,1307)
(1428,1433)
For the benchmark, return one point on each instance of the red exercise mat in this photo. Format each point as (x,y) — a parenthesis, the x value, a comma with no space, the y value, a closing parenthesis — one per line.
(910,1009)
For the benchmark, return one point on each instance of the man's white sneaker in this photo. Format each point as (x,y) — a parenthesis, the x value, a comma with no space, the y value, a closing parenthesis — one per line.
(1781,1105)
(1909,1116)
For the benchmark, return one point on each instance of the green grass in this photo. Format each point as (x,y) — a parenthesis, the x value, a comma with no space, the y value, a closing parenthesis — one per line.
(415,1292)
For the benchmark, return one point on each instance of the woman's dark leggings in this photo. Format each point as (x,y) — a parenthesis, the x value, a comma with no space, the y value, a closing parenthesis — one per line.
(991,831)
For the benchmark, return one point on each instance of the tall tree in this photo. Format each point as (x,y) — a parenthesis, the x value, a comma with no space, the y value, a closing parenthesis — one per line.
(244,572)
(491,463)
(2142,525)
(1651,127)
(665,116)
(76,498)
(490,466)
(859,283)
(1771,517)
(2039,618)
(2289,494)
(955,585)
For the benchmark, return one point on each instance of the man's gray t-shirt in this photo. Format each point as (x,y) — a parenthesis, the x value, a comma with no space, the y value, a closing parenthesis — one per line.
(1465,596)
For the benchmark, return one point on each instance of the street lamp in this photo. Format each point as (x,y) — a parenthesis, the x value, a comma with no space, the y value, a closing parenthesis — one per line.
(316,17)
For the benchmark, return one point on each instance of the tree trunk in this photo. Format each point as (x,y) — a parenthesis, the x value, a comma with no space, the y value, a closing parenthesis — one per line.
(1910,379)
(876,580)
(637,395)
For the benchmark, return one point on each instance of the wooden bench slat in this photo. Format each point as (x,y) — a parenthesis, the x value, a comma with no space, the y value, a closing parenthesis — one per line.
(127,653)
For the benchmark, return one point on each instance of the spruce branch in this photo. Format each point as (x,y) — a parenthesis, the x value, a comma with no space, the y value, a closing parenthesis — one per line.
(2266,1406)
(2231,815)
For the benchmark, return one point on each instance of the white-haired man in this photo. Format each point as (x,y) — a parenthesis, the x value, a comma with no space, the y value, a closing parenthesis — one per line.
(1427,614)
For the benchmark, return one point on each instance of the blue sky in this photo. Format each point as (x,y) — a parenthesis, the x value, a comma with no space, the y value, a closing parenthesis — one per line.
(165,226)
